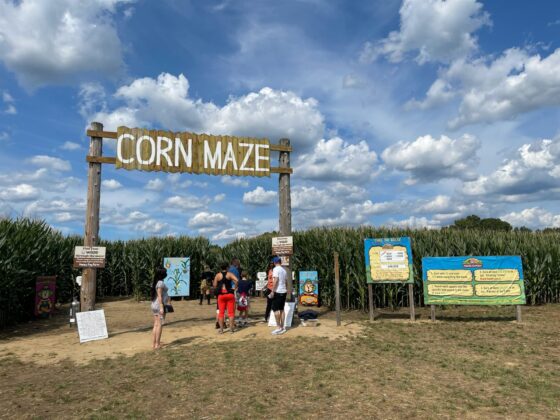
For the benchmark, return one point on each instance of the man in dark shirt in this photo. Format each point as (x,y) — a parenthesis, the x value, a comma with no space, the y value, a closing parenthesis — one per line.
(206,279)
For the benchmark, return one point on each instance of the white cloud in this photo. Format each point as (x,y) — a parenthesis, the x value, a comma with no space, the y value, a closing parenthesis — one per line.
(355,214)
(535,218)
(218,198)
(185,202)
(151,226)
(415,223)
(260,197)
(428,159)
(111,184)
(4,136)
(59,41)
(227,235)
(208,220)
(438,30)
(68,145)
(20,192)
(54,163)
(155,184)
(165,102)
(8,101)
(234,182)
(42,208)
(10,110)
(336,159)
(533,173)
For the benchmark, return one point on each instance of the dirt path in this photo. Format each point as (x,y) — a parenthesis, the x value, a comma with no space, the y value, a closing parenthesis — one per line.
(129,326)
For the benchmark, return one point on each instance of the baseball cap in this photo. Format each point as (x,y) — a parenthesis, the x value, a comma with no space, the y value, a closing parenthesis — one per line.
(276,260)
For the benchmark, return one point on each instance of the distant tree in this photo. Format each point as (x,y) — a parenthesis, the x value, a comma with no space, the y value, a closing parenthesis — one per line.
(522,229)
(475,222)
(551,230)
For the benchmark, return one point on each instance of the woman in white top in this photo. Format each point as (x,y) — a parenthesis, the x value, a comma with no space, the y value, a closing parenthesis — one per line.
(159,299)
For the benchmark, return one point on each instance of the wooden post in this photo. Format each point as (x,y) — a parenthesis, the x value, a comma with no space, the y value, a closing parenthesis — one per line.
(518,312)
(370,300)
(433,312)
(411,301)
(91,234)
(337,288)
(285,207)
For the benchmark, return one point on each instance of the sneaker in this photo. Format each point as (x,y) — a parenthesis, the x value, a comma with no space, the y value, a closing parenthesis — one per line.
(282,331)
(217,325)
(276,331)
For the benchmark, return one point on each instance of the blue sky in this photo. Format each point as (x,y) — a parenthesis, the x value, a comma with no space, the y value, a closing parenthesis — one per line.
(401,113)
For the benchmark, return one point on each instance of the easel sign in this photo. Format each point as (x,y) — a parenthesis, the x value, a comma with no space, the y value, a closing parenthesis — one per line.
(92,326)
(389,260)
(289,309)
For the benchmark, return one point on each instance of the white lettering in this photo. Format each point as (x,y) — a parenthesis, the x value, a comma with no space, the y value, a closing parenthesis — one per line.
(139,150)
(229,157)
(187,155)
(215,160)
(119,148)
(163,152)
(258,158)
(247,156)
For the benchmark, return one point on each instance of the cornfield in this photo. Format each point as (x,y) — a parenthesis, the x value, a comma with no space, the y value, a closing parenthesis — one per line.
(31,248)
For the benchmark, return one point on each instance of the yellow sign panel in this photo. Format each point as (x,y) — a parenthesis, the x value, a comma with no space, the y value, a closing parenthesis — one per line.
(389,264)
(496,275)
(450,289)
(449,275)
(512,289)
(154,150)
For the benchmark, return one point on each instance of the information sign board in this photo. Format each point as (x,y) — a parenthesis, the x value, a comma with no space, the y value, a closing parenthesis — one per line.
(92,325)
(89,257)
(388,260)
(283,245)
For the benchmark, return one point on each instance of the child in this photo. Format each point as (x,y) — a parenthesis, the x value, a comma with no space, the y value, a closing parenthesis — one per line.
(243,290)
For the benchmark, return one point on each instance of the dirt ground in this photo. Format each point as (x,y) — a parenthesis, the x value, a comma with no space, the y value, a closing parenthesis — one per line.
(129,325)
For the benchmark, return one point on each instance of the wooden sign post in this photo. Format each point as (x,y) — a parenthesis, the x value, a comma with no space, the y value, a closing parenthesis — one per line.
(337,288)
(285,205)
(157,150)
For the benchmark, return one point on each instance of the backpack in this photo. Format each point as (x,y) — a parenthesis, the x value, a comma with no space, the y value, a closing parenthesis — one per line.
(242,302)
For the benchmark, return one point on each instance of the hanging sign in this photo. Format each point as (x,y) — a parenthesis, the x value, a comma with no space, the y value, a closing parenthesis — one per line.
(178,280)
(283,245)
(154,150)
(262,280)
(89,257)
(388,260)
(473,280)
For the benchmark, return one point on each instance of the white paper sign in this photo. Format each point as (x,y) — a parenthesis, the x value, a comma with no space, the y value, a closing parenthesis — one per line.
(289,309)
(262,280)
(392,256)
(92,325)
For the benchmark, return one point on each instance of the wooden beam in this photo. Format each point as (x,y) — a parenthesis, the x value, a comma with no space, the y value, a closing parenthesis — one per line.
(102,134)
(112,160)
(101,159)
(113,135)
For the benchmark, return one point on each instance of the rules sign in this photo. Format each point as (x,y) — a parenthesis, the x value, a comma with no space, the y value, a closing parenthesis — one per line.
(89,257)
(283,245)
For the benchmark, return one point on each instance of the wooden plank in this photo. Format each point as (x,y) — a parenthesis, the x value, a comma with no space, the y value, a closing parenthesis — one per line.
(280,148)
(337,288)
(518,313)
(275,170)
(285,206)
(102,134)
(433,312)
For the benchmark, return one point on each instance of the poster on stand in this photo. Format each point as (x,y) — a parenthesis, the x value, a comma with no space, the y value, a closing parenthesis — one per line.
(389,260)
(45,298)
(488,280)
(178,278)
(308,288)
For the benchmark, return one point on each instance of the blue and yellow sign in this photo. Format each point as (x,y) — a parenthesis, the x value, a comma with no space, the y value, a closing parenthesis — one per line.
(473,280)
(389,260)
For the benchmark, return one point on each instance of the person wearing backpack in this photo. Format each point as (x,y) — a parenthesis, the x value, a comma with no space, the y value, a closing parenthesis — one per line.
(243,291)
(225,283)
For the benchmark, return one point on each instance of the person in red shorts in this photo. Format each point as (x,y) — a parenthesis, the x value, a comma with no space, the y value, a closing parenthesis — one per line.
(225,283)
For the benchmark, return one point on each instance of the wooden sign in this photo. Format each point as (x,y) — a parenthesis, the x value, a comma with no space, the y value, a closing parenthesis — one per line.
(91,325)
(154,150)
(89,257)
(283,245)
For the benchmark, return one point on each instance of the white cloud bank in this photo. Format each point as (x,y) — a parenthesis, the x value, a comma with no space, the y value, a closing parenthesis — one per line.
(59,41)
(260,197)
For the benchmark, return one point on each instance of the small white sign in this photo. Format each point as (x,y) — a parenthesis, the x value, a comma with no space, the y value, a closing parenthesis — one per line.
(262,280)
(89,257)
(392,256)
(92,325)
(289,309)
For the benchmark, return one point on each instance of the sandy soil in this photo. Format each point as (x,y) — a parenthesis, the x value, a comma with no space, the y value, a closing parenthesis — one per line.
(129,325)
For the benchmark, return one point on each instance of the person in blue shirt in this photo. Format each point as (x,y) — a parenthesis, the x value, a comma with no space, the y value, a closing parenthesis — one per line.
(235,267)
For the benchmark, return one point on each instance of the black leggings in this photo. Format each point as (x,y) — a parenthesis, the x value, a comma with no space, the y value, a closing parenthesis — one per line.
(207,297)
(268,307)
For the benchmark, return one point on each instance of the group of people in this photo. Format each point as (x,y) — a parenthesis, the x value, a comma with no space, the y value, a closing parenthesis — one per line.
(232,289)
